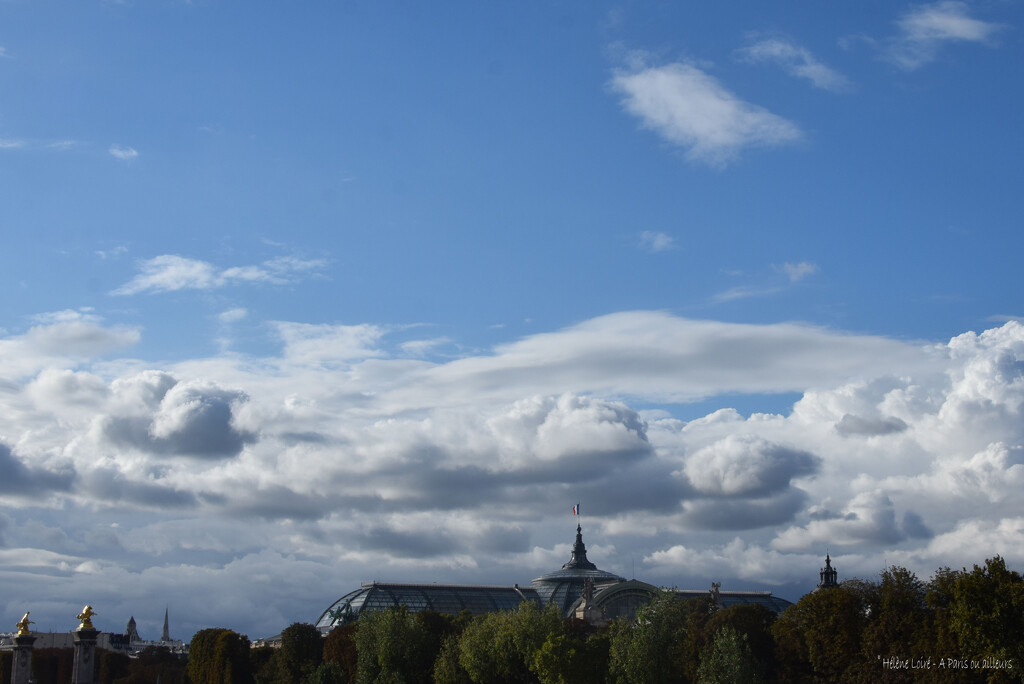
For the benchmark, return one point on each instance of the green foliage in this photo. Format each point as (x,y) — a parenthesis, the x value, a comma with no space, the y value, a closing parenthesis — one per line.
(447,669)
(328,672)
(393,646)
(753,622)
(302,648)
(219,656)
(502,647)
(651,647)
(573,655)
(896,621)
(729,660)
(820,636)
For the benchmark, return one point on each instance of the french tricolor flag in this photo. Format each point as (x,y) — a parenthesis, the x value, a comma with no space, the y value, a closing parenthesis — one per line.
(576,509)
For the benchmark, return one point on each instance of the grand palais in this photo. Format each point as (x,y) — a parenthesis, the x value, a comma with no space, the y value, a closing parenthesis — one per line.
(578,589)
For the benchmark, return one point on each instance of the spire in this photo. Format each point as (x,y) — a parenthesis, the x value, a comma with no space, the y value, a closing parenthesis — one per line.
(579,554)
(828,574)
(166,634)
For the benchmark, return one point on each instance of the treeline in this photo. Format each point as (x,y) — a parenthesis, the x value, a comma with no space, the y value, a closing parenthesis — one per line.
(961,626)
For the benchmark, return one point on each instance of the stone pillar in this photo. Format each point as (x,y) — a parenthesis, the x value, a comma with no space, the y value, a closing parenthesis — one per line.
(21,664)
(84,670)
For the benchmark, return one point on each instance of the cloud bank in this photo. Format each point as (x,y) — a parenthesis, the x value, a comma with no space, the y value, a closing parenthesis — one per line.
(252,491)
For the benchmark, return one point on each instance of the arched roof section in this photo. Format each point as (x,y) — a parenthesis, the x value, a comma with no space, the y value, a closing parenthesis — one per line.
(442,598)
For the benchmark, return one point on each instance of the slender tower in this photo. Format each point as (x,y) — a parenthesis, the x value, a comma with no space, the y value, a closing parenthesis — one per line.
(166,634)
(828,575)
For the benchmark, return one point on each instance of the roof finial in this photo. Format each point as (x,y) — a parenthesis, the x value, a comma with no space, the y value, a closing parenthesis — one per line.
(579,554)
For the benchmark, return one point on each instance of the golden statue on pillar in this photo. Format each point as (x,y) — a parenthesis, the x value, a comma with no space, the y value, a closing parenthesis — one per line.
(86,617)
(23,626)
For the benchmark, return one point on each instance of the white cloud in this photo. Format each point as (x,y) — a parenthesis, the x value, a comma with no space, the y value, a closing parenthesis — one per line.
(421,348)
(746,465)
(11,143)
(691,109)
(233,315)
(113,253)
(744,292)
(62,145)
(123,152)
(654,241)
(65,337)
(799,271)
(925,29)
(341,446)
(797,61)
(319,345)
(170,273)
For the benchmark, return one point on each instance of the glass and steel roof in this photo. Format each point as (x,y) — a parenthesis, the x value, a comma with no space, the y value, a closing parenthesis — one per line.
(561,588)
(443,598)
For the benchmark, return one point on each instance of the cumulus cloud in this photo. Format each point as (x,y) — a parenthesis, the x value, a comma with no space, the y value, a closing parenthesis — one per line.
(19,480)
(341,445)
(869,425)
(926,29)
(797,61)
(191,419)
(170,273)
(692,110)
(743,465)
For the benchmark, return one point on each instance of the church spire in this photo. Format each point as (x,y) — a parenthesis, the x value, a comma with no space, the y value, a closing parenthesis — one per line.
(579,554)
(166,634)
(828,575)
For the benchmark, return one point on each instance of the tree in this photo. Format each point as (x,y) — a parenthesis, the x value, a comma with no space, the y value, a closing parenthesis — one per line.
(897,622)
(982,611)
(447,669)
(820,637)
(500,647)
(729,660)
(302,649)
(219,656)
(753,622)
(651,648)
(155,664)
(328,672)
(340,648)
(392,646)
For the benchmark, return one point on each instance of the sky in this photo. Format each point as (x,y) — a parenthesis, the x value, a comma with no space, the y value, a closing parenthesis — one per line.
(304,295)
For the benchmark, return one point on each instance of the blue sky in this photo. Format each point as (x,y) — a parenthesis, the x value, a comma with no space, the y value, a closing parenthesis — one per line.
(344,291)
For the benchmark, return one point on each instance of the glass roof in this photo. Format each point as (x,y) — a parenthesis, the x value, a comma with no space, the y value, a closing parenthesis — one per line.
(443,598)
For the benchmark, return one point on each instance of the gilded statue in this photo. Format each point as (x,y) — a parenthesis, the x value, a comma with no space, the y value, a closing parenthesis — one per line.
(86,617)
(23,625)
